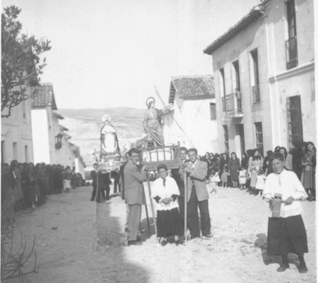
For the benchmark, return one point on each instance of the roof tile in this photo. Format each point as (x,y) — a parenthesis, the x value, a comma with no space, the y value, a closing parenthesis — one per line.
(43,97)
(192,87)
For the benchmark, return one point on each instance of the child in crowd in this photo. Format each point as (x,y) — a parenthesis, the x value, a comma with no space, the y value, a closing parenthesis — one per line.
(260,183)
(242,177)
(213,182)
(224,176)
(67,177)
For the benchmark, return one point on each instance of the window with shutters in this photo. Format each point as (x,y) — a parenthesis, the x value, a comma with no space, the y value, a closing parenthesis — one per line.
(226,138)
(255,77)
(291,42)
(259,137)
(213,111)
(294,118)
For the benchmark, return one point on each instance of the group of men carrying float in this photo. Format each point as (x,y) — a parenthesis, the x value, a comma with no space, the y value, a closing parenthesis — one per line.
(286,230)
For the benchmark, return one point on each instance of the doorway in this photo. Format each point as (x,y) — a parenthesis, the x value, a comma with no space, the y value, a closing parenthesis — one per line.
(240,139)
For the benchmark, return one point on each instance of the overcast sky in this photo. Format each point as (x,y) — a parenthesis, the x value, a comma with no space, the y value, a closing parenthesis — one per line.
(111,53)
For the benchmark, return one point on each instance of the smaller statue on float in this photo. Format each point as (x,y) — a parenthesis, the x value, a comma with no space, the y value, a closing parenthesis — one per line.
(153,122)
(109,140)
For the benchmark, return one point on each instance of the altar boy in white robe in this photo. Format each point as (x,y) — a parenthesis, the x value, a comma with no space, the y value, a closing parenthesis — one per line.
(286,229)
(165,192)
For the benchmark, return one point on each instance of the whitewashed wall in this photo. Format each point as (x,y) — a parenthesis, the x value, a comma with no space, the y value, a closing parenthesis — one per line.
(194,118)
(18,129)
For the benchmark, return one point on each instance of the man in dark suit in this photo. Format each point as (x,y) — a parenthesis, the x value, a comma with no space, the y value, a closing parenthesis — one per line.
(94,178)
(177,174)
(121,181)
(121,185)
(133,180)
(197,196)
(106,182)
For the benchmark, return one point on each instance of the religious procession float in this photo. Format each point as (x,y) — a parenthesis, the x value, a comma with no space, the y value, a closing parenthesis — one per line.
(153,151)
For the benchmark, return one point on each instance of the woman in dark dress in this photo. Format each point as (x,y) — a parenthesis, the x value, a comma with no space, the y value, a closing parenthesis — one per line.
(7,198)
(309,169)
(206,158)
(48,172)
(34,188)
(234,165)
(267,166)
(25,180)
(17,187)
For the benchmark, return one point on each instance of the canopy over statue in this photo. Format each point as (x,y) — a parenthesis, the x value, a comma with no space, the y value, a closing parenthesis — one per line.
(153,123)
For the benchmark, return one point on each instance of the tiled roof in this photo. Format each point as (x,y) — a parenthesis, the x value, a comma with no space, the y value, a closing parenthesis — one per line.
(192,87)
(43,97)
(255,14)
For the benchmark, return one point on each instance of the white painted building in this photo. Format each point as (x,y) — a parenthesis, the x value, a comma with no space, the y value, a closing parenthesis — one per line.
(192,122)
(264,78)
(51,143)
(16,134)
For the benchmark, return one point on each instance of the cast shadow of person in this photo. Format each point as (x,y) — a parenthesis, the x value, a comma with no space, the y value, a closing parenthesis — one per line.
(261,243)
(111,246)
(145,232)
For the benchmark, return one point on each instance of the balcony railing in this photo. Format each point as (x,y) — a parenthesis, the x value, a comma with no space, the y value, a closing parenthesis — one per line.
(256,94)
(232,103)
(291,53)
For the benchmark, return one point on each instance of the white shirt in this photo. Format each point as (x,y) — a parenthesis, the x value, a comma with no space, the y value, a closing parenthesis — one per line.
(193,164)
(288,185)
(170,188)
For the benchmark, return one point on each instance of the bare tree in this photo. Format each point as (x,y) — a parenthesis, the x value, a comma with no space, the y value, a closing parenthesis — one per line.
(17,260)
(21,64)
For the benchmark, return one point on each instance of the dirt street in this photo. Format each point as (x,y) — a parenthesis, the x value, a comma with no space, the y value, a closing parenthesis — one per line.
(78,240)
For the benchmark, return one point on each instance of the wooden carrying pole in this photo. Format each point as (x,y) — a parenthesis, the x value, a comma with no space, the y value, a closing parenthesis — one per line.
(152,207)
(144,198)
(185,205)
(97,189)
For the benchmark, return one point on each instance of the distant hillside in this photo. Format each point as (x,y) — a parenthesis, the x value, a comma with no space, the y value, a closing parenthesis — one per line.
(84,127)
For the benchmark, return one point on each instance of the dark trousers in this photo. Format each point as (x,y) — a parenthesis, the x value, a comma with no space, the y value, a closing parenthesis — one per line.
(94,191)
(193,216)
(116,181)
(100,192)
(107,189)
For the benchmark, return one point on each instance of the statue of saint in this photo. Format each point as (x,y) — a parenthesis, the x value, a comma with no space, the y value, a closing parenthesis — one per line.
(108,137)
(152,121)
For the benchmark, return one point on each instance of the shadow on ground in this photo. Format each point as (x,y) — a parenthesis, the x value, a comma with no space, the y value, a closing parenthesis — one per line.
(145,230)
(111,240)
(261,243)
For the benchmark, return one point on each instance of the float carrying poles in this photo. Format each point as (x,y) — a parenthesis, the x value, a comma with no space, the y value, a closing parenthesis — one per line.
(152,207)
(98,192)
(144,198)
(185,205)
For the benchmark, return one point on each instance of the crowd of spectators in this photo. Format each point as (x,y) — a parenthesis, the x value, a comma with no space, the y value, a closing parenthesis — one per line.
(250,172)
(25,185)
